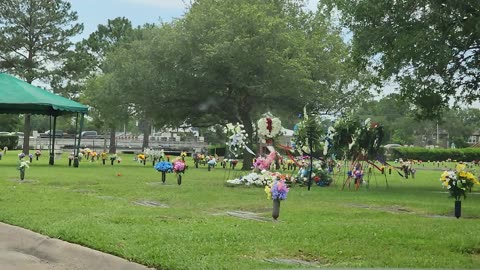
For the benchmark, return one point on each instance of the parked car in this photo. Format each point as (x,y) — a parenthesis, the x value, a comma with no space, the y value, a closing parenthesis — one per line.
(58,134)
(89,134)
(18,133)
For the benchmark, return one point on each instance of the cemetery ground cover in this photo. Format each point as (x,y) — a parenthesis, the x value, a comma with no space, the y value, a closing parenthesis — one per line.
(126,211)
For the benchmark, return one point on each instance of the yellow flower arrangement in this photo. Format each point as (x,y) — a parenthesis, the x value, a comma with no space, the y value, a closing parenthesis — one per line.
(458,181)
(268,190)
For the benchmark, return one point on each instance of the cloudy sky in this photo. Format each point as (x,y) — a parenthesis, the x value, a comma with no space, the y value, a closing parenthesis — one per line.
(94,12)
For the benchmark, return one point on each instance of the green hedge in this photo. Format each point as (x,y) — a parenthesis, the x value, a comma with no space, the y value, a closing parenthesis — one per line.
(10,141)
(440,154)
(217,149)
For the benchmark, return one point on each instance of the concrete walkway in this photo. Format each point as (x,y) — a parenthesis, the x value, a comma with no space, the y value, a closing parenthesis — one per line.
(22,249)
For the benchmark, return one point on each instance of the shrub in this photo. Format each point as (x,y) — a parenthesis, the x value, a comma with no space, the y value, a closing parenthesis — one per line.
(10,141)
(217,149)
(418,153)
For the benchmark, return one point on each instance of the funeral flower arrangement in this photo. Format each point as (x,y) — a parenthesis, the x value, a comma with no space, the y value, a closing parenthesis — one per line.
(320,175)
(264,163)
(141,157)
(164,166)
(277,190)
(22,164)
(458,181)
(308,134)
(236,138)
(269,127)
(154,154)
(261,179)
(367,140)
(212,162)
(178,166)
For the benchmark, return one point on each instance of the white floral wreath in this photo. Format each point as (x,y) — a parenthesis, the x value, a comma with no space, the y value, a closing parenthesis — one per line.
(269,127)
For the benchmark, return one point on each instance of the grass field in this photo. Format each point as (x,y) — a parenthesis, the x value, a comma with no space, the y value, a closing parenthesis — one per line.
(410,224)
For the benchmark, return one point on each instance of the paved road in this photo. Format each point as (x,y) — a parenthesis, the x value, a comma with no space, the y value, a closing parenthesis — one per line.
(22,249)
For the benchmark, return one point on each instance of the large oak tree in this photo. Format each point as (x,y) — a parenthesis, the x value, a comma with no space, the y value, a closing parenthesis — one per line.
(239,59)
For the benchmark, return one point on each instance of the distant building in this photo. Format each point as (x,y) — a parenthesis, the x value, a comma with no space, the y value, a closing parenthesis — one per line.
(474,139)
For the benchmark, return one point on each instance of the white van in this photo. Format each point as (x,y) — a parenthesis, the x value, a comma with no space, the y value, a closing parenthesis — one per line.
(89,134)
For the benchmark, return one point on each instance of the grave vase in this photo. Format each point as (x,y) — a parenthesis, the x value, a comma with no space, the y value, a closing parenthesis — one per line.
(276,209)
(458,209)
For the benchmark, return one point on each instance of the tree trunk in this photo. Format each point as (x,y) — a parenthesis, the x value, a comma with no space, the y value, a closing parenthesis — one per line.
(113,146)
(105,141)
(244,113)
(26,132)
(146,135)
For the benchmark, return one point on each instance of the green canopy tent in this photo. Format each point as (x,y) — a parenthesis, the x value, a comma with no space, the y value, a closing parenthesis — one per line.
(19,97)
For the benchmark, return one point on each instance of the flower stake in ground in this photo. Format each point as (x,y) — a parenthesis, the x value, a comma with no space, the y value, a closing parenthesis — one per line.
(277,191)
(212,163)
(458,182)
(21,166)
(164,167)
(104,157)
(113,158)
(94,155)
(38,153)
(142,159)
(233,163)
(179,169)
(358,176)
(71,157)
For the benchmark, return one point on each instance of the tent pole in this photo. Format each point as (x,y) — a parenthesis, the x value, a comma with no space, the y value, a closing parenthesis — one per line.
(75,161)
(52,154)
(49,138)
(75,152)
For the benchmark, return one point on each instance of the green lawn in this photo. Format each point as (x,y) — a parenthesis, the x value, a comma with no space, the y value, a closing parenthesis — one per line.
(408,225)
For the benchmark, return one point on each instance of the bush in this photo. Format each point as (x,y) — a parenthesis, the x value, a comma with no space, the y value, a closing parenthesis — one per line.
(217,149)
(418,153)
(10,141)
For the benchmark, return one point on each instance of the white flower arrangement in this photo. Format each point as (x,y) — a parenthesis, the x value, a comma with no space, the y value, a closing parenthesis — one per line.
(252,179)
(256,179)
(23,164)
(236,138)
(269,127)
(154,154)
(329,140)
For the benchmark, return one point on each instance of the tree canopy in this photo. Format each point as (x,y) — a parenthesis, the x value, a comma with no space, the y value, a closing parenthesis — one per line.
(233,60)
(35,41)
(430,48)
